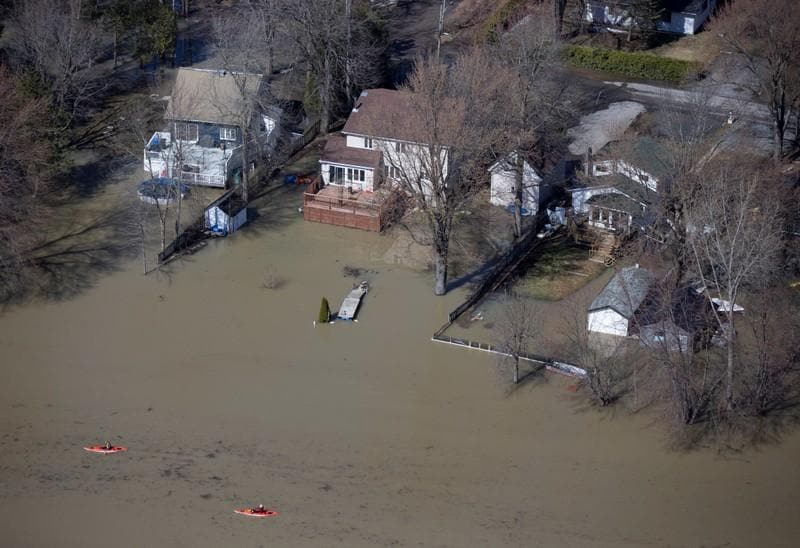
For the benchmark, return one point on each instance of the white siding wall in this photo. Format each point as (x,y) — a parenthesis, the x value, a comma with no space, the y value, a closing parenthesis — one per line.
(369,177)
(609,167)
(215,217)
(502,189)
(607,321)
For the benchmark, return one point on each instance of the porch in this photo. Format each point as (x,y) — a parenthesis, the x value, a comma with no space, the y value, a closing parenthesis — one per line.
(199,164)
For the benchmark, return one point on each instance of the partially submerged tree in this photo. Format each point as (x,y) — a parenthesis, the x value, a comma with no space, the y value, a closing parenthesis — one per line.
(734,241)
(517,331)
(452,121)
(24,177)
(766,35)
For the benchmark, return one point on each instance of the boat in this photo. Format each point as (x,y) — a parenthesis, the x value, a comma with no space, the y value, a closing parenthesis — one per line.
(105,450)
(256,512)
(351,302)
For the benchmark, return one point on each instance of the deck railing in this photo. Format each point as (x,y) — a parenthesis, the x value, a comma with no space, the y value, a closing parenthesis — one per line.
(345,204)
(193,178)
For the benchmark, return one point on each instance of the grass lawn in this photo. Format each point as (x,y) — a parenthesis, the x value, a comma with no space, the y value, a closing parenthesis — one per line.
(562,268)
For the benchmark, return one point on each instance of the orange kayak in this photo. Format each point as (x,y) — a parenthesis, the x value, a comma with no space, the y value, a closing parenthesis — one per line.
(256,513)
(104,450)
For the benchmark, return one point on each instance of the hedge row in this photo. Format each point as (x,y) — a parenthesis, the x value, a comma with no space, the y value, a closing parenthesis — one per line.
(634,65)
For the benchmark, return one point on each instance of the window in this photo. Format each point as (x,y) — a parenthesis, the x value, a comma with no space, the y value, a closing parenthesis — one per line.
(401,147)
(395,173)
(227,133)
(368,142)
(336,175)
(185,132)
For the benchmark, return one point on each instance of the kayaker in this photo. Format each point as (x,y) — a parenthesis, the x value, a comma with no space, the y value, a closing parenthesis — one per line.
(261,509)
(108,446)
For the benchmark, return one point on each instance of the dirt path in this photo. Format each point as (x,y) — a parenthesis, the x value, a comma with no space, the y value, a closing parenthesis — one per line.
(359,434)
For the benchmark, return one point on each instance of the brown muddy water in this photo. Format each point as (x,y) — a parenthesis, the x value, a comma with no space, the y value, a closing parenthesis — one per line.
(359,434)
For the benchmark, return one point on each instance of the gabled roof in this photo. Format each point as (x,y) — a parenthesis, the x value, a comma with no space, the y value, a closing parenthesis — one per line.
(646,154)
(378,113)
(625,292)
(212,96)
(508,163)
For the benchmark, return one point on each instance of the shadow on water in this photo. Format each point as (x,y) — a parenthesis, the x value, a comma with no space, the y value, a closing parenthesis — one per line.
(72,259)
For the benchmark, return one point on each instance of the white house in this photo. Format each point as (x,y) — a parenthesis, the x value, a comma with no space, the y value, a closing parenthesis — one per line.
(679,16)
(202,144)
(374,145)
(613,309)
(503,180)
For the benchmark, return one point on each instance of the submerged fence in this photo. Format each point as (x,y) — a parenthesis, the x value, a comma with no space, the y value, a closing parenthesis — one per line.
(499,274)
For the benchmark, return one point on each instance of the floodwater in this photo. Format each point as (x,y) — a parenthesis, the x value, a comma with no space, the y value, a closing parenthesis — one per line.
(358,434)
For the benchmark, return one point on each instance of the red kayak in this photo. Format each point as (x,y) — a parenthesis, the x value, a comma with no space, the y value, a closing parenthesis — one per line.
(105,450)
(256,512)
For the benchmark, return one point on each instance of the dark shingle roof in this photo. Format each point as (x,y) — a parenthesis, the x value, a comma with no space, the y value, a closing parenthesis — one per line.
(378,113)
(336,151)
(625,292)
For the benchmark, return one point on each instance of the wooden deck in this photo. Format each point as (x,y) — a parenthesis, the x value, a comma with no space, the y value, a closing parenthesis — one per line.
(336,206)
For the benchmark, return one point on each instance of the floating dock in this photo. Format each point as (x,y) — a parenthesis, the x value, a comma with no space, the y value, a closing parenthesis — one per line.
(350,303)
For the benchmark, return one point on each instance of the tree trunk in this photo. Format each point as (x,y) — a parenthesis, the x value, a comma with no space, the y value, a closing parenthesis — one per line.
(777,142)
(163,234)
(516,369)
(325,96)
(144,247)
(347,68)
(729,372)
(179,207)
(245,167)
(116,33)
(440,271)
(519,168)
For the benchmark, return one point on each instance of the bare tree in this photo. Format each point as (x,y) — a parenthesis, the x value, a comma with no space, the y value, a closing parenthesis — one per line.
(609,364)
(244,39)
(734,240)
(451,117)
(24,177)
(766,34)
(771,363)
(536,109)
(61,49)
(341,49)
(517,331)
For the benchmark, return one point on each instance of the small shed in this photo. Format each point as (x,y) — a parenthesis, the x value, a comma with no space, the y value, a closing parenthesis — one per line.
(226,214)
(613,309)
(503,178)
